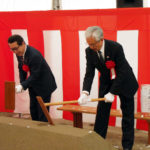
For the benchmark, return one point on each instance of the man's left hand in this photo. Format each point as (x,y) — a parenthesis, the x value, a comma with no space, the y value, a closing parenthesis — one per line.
(109,97)
(18,88)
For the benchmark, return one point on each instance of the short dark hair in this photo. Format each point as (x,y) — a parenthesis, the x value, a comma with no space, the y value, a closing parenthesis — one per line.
(16,38)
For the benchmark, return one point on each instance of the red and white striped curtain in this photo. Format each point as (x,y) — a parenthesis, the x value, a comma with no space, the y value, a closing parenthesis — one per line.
(59,36)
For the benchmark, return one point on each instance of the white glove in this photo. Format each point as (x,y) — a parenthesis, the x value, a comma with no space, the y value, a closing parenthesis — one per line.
(18,88)
(83,99)
(109,98)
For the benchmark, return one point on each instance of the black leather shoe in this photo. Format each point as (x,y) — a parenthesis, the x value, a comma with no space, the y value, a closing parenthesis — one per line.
(127,149)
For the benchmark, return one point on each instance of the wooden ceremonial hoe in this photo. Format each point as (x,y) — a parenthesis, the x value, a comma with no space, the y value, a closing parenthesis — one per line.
(44,105)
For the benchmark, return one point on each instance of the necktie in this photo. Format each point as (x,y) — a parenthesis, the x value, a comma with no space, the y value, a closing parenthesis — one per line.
(20,59)
(101,57)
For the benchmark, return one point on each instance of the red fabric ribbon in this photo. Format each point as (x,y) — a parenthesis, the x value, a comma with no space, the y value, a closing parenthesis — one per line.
(110,64)
(25,68)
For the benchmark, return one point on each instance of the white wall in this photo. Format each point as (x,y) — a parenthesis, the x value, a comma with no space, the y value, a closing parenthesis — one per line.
(28,5)
(88,4)
(25,5)
(146,3)
(93,4)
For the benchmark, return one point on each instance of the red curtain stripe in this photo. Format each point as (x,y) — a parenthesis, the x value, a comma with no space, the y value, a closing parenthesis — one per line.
(6,65)
(70,59)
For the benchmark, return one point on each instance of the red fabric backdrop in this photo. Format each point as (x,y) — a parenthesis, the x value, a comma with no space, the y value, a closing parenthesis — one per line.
(69,23)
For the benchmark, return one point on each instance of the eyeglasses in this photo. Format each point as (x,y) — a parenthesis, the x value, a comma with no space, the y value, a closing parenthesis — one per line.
(94,44)
(15,48)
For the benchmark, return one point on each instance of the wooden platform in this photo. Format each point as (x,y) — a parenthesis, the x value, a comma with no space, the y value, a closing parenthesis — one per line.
(78,110)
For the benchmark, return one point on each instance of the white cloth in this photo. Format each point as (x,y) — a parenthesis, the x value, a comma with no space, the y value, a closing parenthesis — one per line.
(109,97)
(113,74)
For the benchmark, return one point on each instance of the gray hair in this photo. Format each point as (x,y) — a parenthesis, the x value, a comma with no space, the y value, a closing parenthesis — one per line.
(94,31)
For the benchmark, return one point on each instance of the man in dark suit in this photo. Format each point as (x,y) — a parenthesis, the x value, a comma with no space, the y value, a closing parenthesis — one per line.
(35,74)
(116,78)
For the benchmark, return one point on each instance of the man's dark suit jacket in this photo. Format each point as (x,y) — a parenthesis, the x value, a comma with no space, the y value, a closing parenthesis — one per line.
(41,79)
(125,82)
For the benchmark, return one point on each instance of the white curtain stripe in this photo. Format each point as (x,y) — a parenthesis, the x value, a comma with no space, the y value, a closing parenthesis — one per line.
(129,41)
(53,56)
(94,91)
(21,99)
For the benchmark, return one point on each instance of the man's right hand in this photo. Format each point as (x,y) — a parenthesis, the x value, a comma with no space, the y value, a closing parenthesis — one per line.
(18,88)
(109,97)
(83,99)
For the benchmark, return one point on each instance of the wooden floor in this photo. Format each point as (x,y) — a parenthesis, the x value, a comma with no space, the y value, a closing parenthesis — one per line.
(114,133)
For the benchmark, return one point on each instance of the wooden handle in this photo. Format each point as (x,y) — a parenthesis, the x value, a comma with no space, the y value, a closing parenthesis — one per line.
(71,102)
(97,99)
(45,111)
(61,103)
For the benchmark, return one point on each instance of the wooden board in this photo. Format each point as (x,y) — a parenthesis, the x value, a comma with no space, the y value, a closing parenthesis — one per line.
(9,95)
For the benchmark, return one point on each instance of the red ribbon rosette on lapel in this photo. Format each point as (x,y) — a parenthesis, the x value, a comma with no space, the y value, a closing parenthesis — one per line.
(111,65)
(25,68)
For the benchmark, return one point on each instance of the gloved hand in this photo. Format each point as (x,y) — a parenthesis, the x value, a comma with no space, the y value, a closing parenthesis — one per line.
(109,98)
(83,99)
(18,88)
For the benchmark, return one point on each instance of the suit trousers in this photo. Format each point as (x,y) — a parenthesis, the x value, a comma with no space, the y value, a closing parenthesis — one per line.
(35,108)
(102,119)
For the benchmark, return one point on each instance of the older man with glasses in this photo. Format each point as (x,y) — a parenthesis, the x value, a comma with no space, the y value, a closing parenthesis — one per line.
(116,78)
